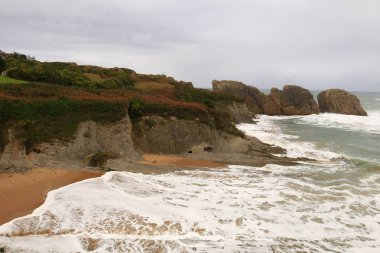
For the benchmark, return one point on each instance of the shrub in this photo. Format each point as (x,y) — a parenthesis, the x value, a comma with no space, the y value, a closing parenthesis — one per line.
(68,74)
(136,108)
(209,98)
(2,64)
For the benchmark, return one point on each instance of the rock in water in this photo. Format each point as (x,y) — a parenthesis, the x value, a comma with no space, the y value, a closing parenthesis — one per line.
(340,101)
(294,100)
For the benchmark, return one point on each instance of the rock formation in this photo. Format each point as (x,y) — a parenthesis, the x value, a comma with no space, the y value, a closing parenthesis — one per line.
(114,140)
(292,100)
(340,101)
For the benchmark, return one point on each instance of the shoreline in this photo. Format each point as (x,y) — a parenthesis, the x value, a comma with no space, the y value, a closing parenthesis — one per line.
(22,192)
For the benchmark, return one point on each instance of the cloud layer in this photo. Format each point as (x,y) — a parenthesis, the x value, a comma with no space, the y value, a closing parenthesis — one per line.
(316,44)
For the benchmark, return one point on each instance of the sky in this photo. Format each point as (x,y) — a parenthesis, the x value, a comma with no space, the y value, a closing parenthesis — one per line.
(317,44)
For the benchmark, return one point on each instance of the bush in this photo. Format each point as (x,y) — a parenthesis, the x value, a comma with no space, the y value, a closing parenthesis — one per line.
(2,64)
(209,98)
(68,74)
(136,108)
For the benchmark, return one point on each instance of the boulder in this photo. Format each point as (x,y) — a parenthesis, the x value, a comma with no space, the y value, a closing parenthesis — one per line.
(340,101)
(294,100)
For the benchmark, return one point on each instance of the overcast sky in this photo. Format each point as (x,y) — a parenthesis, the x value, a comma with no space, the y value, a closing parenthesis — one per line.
(317,44)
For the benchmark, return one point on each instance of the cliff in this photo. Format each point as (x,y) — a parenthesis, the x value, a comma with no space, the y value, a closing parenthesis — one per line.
(64,114)
(113,140)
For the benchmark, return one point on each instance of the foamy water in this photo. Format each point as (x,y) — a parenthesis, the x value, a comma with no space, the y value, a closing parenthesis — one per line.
(332,205)
(270,209)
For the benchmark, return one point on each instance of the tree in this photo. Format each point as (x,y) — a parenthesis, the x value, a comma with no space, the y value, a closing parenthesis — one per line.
(3,64)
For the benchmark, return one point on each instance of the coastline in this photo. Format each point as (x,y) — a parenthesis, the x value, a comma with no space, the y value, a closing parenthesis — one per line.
(22,192)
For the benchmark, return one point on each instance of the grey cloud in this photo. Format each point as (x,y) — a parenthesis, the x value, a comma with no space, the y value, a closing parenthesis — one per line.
(316,44)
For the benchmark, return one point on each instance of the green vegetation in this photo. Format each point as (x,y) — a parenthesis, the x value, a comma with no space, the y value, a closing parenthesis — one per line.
(136,108)
(3,64)
(8,80)
(55,97)
(203,96)
(2,250)
(44,121)
(69,74)
(211,117)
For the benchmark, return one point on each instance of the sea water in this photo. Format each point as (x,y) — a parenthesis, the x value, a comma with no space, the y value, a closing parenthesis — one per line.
(328,205)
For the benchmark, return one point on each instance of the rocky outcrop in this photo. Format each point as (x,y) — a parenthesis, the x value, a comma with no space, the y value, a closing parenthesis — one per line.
(292,100)
(250,95)
(113,140)
(191,138)
(340,101)
(238,111)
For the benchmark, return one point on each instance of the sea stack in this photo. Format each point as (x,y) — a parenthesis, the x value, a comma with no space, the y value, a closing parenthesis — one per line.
(340,101)
(292,100)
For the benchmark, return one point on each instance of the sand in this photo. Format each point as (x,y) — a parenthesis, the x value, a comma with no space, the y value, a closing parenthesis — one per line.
(179,161)
(21,193)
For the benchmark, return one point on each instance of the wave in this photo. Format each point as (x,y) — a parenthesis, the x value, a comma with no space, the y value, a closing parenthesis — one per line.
(270,209)
(269,132)
(377,99)
(369,124)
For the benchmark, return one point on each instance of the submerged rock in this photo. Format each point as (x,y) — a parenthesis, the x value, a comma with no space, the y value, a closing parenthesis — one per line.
(340,101)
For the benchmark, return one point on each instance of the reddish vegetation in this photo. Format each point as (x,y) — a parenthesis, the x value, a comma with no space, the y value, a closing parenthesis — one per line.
(164,95)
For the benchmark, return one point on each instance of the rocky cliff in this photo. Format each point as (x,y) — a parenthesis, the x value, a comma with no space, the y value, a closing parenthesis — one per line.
(122,142)
(113,140)
(292,100)
(340,101)
(154,134)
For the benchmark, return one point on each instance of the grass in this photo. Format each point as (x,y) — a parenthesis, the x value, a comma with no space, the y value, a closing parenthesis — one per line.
(152,86)
(8,80)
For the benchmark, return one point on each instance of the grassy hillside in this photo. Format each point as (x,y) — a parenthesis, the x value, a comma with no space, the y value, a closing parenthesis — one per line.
(8,80)
(55,97)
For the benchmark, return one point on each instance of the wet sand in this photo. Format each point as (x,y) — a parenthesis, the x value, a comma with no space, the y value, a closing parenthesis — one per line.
(21,193)
(152,159)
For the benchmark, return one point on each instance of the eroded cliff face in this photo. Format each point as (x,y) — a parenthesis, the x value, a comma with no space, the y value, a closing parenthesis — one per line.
(124,142)
(292,100)
(173,136)
(114,140)
(340,101)
(238,111)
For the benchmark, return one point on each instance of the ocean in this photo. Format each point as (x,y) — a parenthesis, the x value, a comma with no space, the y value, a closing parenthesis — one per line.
(328,205)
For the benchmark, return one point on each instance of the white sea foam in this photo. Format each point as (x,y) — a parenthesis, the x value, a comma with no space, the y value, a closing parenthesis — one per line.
(369,124)
(377,99)
(270,209)
(268,132)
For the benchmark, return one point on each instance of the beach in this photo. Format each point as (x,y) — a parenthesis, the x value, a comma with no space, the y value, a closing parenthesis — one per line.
(21,193)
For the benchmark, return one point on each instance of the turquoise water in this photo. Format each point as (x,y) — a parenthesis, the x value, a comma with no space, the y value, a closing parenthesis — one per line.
(357,137)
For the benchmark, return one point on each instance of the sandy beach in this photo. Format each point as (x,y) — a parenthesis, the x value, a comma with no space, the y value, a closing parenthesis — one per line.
(153,159)
(21,193)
